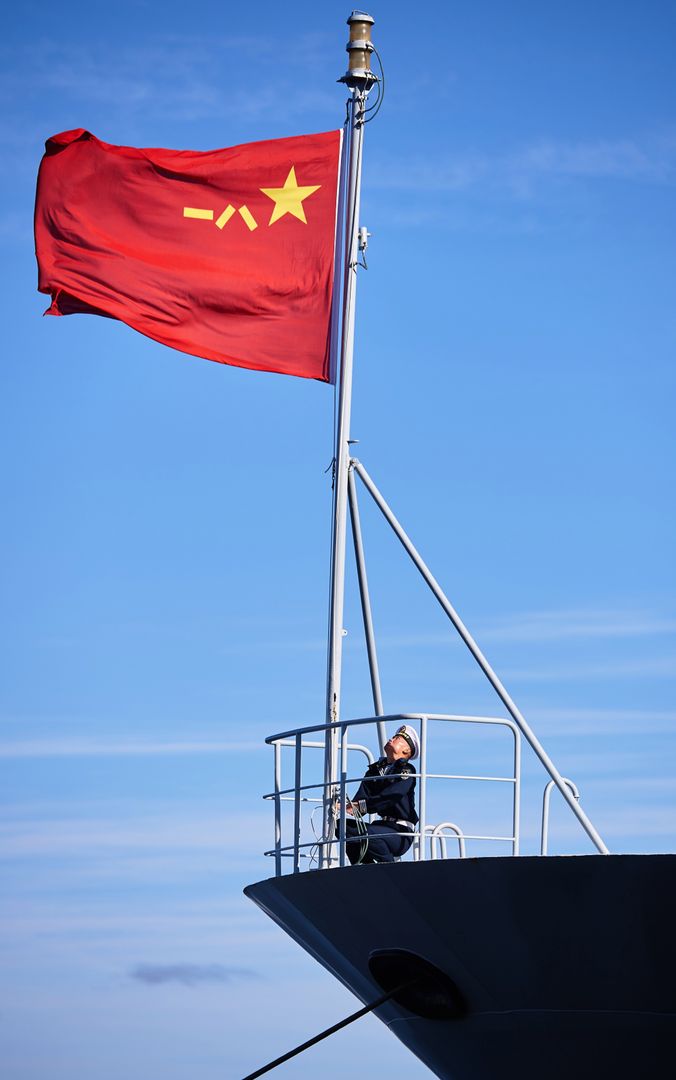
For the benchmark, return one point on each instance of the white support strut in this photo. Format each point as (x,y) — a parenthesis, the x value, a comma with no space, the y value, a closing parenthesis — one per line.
(481,660)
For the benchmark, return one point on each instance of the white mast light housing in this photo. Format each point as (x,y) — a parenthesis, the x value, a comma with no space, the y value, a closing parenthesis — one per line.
(359,49)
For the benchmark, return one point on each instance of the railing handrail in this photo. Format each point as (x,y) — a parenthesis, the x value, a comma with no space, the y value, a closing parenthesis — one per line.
(412,776)
(288,849)
(312,745)
(392,718)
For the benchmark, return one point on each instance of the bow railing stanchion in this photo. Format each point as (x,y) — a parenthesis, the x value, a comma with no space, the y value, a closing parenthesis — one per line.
(296,804)
(544,835)
(420,840)
(342,833)
(437,833)
(516,801)
(278,809)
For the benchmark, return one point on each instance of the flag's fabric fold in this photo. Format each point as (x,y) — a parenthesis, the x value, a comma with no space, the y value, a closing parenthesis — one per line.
(225,254)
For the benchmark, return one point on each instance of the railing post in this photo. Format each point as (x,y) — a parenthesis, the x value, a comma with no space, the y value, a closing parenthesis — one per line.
(342,832)
(544,837)
(423,788)
(516,808)
(296,805)
(278,810)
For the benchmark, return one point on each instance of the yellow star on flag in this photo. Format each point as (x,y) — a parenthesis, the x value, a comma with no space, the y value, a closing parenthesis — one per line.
(289,199)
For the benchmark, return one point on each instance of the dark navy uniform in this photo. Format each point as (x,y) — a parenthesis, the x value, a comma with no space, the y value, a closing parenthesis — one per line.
(389,792)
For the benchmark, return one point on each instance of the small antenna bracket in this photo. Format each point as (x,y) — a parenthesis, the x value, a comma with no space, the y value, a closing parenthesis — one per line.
(363,242)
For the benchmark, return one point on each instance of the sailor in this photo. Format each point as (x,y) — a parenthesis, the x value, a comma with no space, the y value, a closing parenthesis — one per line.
(388,790)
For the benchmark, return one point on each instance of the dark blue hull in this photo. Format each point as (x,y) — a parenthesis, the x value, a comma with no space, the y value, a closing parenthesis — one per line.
(567,965)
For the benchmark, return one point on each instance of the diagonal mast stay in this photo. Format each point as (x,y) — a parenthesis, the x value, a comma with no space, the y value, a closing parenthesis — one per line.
(360,81)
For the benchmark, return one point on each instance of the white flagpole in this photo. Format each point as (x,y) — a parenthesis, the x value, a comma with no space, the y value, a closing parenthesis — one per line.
(359,79)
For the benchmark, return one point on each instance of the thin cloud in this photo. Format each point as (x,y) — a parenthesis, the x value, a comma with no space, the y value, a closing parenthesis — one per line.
(620,159)
(183,76)
(663,667)
(183,922)
(82,747)
(524,627)
(647,159)
(532,627)
(189,974)
(636,821)
(575,624)
(576,721)
(170,832)
(647,787)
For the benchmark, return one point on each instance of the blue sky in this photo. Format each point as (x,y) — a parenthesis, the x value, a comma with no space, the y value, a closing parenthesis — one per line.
(165,543)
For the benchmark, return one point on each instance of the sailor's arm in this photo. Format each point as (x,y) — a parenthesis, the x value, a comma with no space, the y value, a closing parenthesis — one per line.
(361,797)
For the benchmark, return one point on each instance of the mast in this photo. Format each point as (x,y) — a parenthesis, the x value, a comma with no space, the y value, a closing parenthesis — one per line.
(359,80)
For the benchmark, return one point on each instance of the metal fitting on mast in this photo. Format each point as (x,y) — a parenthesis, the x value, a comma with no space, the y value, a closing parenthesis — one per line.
(359,49)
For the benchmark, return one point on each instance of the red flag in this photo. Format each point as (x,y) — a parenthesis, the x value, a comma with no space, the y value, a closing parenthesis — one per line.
(226,254)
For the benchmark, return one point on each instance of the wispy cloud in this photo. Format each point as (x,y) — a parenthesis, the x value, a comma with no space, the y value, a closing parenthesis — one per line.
(617,822)
(662,667)
(183,923)
(529,627)
(649,159)
(652,790)
(158,833)
(88,747)
(183,76)
(189,974)
(574,722)
(576,624)
(519,172)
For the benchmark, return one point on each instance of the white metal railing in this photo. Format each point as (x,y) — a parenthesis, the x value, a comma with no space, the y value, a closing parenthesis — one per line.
(293,794)
(544,833)
(437,833)
(300,849)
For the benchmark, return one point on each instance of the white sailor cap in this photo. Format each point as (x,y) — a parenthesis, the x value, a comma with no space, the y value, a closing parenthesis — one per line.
(411,735)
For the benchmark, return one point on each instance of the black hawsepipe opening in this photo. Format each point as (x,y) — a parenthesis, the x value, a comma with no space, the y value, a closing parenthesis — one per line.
(422,988)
